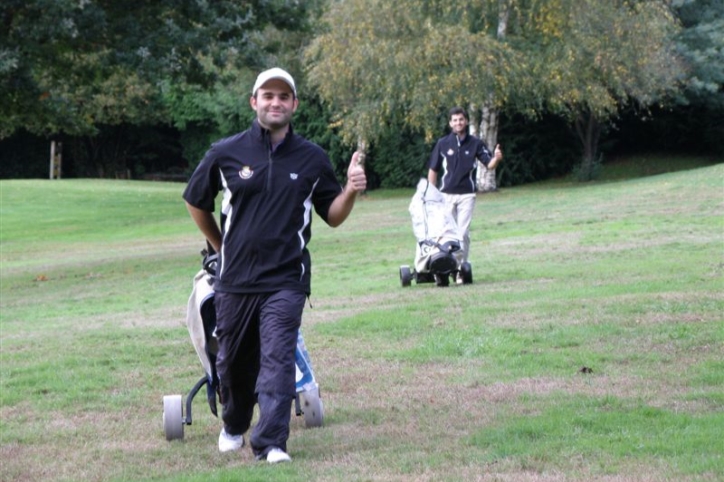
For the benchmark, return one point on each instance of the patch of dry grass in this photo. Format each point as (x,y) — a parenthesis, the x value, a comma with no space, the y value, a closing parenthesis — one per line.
(624,278)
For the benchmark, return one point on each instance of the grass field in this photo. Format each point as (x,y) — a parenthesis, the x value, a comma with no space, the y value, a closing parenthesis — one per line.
(482,382)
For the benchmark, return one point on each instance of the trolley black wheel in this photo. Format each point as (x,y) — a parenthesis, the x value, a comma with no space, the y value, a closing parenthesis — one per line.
(405,276)
(466,271)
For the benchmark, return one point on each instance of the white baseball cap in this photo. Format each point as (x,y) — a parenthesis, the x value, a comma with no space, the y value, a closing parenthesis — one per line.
(271,74)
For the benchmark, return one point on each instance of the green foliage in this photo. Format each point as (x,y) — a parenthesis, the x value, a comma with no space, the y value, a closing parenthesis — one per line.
(607,56)
(588,169)
(114,151)
(535,149)
(24,156)
(580,59)
(379,61)
(112,80)
(313,121)
(205,115)
(398,158)
(69,66)
(701,44)
(692,129)
(96,74)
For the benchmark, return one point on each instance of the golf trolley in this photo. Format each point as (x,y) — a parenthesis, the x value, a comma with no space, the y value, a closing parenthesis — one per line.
(438,244)
(201,323)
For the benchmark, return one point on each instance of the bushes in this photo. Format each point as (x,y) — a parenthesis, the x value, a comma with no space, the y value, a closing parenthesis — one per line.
(115,151)
(398,159)
(24,156)
(534,149)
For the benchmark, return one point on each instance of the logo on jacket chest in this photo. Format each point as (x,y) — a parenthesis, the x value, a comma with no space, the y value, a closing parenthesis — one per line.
(451,152)
(246,172)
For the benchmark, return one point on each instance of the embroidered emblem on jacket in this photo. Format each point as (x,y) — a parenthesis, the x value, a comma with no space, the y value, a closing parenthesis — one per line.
(246,172)
(450,152)
(293,176)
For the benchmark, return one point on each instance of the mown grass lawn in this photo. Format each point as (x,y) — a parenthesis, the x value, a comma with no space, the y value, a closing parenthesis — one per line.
(590,346)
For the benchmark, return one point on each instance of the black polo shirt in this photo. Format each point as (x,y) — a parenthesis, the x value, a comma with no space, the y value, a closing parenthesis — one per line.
(266,203)
(455,162)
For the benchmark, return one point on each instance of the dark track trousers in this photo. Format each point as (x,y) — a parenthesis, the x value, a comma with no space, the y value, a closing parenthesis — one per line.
(257,335)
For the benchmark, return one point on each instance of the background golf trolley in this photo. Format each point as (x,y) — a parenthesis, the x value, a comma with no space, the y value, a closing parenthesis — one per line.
(438,241)
(201,323)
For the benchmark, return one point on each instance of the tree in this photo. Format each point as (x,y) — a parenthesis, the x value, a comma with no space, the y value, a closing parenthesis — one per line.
(582,59)
(701,45)
(68,65)
(379,61)
(206,113)
(490,110)
(74,67)
(604,57)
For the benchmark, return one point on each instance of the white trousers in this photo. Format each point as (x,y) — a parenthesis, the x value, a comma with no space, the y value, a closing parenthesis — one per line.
(461,207)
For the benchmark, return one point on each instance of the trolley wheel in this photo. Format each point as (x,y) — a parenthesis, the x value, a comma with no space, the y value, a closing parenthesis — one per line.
(466,271)
(312,407)
(173,424)
(405,276)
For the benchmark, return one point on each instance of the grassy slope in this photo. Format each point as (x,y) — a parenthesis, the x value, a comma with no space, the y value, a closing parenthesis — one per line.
(478,382)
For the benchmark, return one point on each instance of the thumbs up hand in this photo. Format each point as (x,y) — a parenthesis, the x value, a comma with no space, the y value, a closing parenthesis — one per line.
(498,153)
(356,178)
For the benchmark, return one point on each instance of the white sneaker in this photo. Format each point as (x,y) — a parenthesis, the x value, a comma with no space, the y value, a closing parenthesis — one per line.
(459,279)
(277,455)
(228,443)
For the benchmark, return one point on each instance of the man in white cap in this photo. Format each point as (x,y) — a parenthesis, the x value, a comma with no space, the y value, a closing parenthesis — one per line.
(270,179)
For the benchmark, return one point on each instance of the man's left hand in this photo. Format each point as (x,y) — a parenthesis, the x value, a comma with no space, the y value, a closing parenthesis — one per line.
(356,178)
(498,153)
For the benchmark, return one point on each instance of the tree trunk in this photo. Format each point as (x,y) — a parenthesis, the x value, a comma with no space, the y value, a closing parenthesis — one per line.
(362,149)
(473,124)
(588,130)
(489,112)
(362,158)
(488,133)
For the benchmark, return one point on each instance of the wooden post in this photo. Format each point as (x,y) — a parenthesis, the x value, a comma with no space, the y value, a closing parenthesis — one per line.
(56,159)
(52,159)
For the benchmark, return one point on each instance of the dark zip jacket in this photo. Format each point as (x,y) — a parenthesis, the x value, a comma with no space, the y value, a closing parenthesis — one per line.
(455,162)
(266,203)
